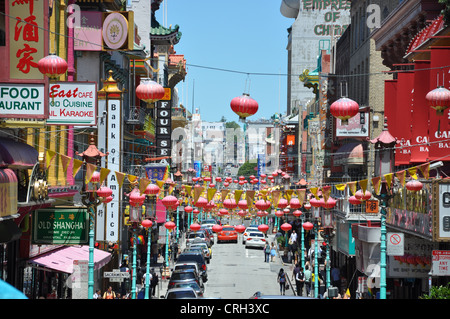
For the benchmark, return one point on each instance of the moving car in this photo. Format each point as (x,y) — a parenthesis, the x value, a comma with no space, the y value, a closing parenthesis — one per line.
(181,293)
(255,239)
(228,233)
(247,232)
(197,257)
(198,234)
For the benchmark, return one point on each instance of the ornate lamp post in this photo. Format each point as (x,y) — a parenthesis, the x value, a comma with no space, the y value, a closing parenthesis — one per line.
(386,194)
(327,233)
(91,200)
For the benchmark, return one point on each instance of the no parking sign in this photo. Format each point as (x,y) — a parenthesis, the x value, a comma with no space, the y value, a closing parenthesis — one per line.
(395,244)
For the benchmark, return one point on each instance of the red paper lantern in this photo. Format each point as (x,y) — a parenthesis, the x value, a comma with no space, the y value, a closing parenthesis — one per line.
(195,211)
(262,204)
(104,191)
(344,109)
(147,223)
(149,91)
(195,227)
(52,66)
(307,226)
(229,204)
(297,213)
(135,198)
(170,202)
(286,227)
(242,213)
(223,211)
(315,202)
(244,106)
(295,203)
(414,185)
(188,209)
(439,99)
(95,178)
(263,228)
(366,196)
(307,206)
(217,228)
(329,204)
(239,228)
(279,213)
(107,199)
(282,203)
(243,204)
(151,189)
(169,225)
(260,213)
(354,201)
(201,202)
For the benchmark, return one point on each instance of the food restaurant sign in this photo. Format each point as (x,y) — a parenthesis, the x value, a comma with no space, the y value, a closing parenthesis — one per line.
(22,100)
(60,226)
(72,103)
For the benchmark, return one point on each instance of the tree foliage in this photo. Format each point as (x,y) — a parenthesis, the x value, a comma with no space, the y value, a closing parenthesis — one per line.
(247,169)
(441,292)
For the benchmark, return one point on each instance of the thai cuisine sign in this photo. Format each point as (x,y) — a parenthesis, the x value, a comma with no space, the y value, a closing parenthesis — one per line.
(72,103)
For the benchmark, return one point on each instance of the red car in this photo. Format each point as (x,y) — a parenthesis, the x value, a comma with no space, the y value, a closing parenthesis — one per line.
(228,233)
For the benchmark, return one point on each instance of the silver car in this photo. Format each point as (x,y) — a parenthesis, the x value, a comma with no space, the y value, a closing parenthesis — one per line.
(181,293)
(255,239)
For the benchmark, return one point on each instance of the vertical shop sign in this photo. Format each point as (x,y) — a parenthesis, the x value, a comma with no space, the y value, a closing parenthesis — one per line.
(163,128)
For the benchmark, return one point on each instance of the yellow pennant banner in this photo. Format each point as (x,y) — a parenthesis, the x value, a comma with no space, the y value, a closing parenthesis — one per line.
(188,189)
(90,169)
(104,172)
(425,169)
(224,193)
(275,198)
(326,191)
(249,195)
(120,178)
(412,172)
(389,177)
(401,177)
(237,195)
(160,184)
(288,193)
(143,183)
(352,187)
(314,190)
(301,195)
(211,192)
(363,185)
(49,156)
(341,187)
(132,178)
(76,166)
(65,160)
(376,183)
(198,190)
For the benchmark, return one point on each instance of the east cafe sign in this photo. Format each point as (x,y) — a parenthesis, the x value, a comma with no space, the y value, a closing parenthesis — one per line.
(70,103)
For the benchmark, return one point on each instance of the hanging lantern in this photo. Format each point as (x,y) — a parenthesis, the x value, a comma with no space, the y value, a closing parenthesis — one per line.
(188,209)
(169,225)
(307,206)
(286,211)
(239,228)
(329,204)
(263,228)
(229,204)
(366,196)
(279,213)
(210,205)
(286,227)
(151,189)
(297,213)
(95,178)
(243,204)
(147,223)
(307,226)
(201,202)
(282,203)
(439,99)
(195,227)
(294,203)
(344,109)
(217,228)
(52,66)
(135,198)
(107,199)
(244,106)
(242,213)
(223,211)
(414,185)
(354,201)
(315,202)
(260,213)
(170,202)
(262,204)
(195,211)
(149,91)
(104,191)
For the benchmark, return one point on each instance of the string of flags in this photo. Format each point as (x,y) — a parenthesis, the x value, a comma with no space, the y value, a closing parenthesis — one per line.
(211,193)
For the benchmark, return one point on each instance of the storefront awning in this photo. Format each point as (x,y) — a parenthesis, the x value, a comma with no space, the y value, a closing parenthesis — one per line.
(16,154)
(350,154)
(62,259)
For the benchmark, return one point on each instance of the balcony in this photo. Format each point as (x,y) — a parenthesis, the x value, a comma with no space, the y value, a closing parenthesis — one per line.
(136,115)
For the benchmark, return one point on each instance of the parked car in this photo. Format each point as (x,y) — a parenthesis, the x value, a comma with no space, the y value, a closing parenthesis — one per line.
(204,246)
(228,233)
(181,293)
(255,239)
(197,249)
(260,295)
(247,232)
(191,284)
(209,233)
(195,257)
(187,265)
(184,275)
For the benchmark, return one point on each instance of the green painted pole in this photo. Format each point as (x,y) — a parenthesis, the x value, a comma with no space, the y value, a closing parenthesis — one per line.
(303,246)
(383,254)
(91,254)
(147,276)
(133,265)
(316,265)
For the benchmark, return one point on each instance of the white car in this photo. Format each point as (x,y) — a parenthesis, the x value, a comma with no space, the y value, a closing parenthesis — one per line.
(181,293)
(255,239)
(247,232)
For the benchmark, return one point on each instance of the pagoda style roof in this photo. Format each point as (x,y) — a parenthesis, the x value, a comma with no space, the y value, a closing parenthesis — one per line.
(310,80)
(385,139)
(160,35)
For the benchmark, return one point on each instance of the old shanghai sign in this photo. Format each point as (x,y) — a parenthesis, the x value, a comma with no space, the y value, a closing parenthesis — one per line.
(73,103)
(60,226)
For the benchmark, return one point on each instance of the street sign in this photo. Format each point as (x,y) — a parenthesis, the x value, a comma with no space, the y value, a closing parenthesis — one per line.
(371,206)
(116,275)
(395,244)
(441,263)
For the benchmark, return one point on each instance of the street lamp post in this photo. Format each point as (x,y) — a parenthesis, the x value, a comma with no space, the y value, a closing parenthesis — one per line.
(386,194)
(90,199)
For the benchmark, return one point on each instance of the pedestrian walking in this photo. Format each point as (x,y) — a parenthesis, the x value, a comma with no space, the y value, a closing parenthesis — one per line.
(294,275)
(273,251)
(266,252)
(307,276)
(109,294)
(300,281)
(282,281)
(154,282)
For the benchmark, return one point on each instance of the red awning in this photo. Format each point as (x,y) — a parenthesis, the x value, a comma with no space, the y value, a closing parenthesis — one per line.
(16,154)
(62,259)
(421,37)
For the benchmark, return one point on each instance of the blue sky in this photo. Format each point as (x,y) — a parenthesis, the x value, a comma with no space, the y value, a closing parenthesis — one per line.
(243,35)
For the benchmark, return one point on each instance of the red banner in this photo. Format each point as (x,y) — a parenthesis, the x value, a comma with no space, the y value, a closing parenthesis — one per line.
(403,117)
(419,139)
(439,129)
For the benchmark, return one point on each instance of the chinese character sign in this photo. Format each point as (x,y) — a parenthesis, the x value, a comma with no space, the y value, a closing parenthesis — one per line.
(26,38)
